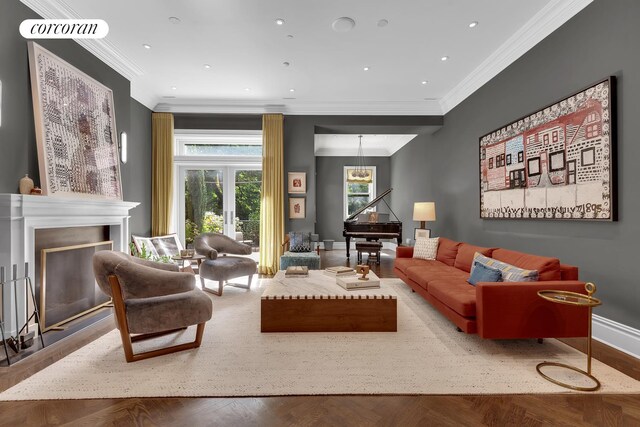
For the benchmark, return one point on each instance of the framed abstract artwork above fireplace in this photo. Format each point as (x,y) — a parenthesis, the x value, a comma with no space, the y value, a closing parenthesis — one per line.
(557,163)
(75,130)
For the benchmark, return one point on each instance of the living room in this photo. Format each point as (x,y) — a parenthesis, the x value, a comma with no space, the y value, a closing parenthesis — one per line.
(477,79)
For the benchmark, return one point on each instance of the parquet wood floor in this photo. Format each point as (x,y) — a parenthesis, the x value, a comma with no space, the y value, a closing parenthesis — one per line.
(499,410)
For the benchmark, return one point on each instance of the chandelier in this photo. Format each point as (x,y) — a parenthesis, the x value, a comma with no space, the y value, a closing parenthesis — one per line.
(360,174)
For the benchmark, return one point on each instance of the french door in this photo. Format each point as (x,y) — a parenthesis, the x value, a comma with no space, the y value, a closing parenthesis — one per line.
(219,198)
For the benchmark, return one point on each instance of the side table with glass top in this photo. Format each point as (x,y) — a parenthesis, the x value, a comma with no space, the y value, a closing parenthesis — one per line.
(580,300)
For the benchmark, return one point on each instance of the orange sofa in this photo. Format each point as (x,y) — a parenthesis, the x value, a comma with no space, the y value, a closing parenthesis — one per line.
(495,310)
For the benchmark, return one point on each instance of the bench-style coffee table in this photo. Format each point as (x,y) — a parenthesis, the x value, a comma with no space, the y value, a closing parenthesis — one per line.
(317,304)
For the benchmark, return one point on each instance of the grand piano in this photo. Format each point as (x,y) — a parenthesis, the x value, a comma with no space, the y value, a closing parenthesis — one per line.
(372,226)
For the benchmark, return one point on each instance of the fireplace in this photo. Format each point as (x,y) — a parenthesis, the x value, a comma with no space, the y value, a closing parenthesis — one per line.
(27,221)
(67,285)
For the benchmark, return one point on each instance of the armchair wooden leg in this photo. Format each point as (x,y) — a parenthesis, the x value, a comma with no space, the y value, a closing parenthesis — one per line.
(128,339)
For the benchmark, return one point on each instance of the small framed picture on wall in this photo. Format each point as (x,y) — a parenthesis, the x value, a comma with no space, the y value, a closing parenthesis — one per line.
(421,233)
(296,208)
(297,182)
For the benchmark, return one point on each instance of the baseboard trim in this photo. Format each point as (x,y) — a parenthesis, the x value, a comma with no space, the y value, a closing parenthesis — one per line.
(617,335)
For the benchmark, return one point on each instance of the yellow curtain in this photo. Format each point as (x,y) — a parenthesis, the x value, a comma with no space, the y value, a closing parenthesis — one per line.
(162,173)
(272,203)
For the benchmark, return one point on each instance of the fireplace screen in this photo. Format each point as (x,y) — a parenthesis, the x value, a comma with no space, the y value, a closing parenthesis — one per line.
(68,288)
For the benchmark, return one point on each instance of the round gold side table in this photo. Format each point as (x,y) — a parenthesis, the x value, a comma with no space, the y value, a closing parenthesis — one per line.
(581,300)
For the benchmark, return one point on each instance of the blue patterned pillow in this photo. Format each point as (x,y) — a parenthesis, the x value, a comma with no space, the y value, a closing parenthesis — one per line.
(510,273)
(483,273)
(299,241)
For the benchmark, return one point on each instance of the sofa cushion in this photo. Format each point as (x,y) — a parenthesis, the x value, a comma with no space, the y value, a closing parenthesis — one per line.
(403,263)
(548,268)
(483,273)
(509,273)
(424,274)
(458,296)
(466,253)
(425,248)
(299,241)
(447,251)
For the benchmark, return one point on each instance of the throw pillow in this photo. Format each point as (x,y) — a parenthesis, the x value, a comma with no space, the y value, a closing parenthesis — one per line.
(510,273)
(425,248)
(483,273)
(299,241)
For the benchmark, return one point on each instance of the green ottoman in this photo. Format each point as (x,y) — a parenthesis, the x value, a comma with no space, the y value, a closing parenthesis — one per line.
(310,259)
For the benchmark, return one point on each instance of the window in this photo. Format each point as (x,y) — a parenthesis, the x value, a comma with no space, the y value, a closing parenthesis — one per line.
(508,159)
(498,161)
(588,157)
(593,131)
(520,156)
(533,165)
(219,144)
(501,159)
(484,154)
(555,136)
(545,138)
(556,161)
(490,162)
(358,194)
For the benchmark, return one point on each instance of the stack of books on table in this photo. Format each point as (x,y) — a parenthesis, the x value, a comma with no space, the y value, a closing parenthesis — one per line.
(339,271)
(352,283)
(296,271)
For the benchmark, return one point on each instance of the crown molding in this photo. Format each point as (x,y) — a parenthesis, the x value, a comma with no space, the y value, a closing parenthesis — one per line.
(100,48)
(293,107)
(547,20)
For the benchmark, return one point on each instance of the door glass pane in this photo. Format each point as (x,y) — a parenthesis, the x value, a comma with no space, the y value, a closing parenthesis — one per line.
(247,209)
(203,202)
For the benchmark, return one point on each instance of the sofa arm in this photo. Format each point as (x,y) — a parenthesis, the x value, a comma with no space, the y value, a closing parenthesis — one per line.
(404,252)
(515,310)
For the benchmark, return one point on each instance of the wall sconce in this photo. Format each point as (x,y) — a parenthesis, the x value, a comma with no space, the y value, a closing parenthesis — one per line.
(122,147)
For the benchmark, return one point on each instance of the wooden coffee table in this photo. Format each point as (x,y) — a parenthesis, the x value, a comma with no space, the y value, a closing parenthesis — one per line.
(317,304)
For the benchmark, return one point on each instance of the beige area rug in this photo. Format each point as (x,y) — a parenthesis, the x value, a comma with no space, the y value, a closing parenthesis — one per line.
(425,356)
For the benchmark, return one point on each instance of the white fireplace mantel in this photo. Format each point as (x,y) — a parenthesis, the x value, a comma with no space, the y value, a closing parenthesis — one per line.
(22,215)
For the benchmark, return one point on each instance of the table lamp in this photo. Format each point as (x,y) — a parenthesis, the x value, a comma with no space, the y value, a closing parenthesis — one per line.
(423,212)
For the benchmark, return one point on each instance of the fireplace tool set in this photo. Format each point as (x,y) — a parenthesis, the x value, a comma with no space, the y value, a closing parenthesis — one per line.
(23,338)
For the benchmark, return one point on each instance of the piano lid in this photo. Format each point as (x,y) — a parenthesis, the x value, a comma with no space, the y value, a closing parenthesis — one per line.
(370,204)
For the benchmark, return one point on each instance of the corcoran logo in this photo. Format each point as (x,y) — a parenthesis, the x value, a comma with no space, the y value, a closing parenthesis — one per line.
(64,28)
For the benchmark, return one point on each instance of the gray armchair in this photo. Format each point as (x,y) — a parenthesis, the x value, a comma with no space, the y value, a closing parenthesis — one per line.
(220,267)
(151,299)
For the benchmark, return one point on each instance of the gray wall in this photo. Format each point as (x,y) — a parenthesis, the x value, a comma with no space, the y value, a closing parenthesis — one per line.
(299,155)
(17,134)
(136,174)
(330,200)
(601,40)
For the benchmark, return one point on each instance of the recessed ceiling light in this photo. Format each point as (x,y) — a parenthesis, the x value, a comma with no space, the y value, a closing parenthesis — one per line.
(246,89)
(174,20)
(383,23)
(173,88)
(289,36)
(424,82)
(286,64)
(473,24)
(292,90)
(344,24)
(444,58)
(366,68)
(207,66)
(279,21)
(146,46)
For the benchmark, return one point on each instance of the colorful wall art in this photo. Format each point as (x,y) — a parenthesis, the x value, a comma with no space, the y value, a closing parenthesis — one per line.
(557,163)
(75,130)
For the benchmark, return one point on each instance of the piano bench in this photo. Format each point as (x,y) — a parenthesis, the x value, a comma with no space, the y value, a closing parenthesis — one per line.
(309,259)
(372,248)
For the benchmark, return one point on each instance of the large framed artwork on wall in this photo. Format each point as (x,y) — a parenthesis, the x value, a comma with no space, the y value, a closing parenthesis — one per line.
(557,163)
(75,130)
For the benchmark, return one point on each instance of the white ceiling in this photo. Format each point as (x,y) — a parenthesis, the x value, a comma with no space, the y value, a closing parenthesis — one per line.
(246,50)
(347,145)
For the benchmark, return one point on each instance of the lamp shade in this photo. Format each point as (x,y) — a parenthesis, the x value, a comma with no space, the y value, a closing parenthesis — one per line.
(424,211)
